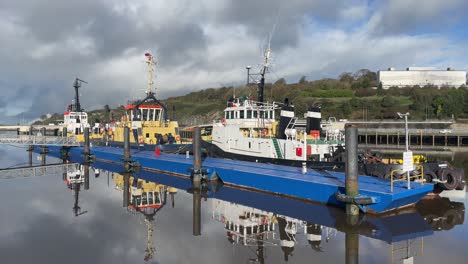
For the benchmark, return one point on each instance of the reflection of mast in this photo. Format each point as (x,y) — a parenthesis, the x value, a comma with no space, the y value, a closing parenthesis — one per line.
(74,181)
(149,218)
(287,230)
(260,249)
(314,236)
(146,198)
(76,207)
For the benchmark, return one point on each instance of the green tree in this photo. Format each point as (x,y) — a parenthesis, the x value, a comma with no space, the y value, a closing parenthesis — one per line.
(346,77)
(345,109)
(280,81)
(303,80)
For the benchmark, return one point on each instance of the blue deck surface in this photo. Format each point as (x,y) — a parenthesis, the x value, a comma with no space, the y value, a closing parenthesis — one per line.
(319,186)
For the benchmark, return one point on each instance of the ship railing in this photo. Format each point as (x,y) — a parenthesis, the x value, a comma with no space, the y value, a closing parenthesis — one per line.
(418,175)
(38,140)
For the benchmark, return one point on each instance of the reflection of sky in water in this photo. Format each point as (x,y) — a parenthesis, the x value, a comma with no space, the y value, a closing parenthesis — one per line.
(37,225)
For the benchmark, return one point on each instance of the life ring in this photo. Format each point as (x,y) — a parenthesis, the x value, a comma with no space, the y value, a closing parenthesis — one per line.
(141,140)
(264,132)
(177,138)
(223,121)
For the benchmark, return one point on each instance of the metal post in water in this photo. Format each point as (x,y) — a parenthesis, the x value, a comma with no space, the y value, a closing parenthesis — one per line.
(351,185)
(196,181)
(126,143)
(197,162)
(86,138)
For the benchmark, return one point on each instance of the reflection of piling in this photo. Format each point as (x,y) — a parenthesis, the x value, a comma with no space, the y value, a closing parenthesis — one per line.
(352,247)
(30,154)
(126,190)
(126,144)
(196,210)
(172,200)
(352,188)
(43,158)
(86,176)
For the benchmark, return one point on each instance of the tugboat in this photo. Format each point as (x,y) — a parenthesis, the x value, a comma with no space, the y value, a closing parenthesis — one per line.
(148,120)
(249,131)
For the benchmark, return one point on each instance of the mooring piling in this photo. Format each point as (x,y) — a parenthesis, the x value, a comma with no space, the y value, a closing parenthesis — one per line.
(64,131)
(197,162)
(196,181)
(86,139)
(126,144)
(351,173)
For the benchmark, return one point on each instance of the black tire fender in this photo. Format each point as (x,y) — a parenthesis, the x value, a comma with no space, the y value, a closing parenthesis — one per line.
(451,177)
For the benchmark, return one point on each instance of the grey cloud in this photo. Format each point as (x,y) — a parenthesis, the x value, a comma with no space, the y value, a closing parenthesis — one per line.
(403,16)
(45,45)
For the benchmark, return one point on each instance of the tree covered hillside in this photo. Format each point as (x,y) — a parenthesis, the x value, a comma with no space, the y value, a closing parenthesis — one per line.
(350,96)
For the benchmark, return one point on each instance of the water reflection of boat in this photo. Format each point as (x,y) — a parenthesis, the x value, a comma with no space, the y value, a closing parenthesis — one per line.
(260,215)
(75,178)
(146,198)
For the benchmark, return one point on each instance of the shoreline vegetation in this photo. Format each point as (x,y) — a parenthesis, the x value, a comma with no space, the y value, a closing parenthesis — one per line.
(350,96)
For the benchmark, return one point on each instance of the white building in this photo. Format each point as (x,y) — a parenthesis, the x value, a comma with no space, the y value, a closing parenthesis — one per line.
(421,76)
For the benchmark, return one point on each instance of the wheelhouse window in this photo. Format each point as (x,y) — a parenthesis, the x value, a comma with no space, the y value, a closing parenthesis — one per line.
(144,114)
(157,114)
(249,113)
(241,114)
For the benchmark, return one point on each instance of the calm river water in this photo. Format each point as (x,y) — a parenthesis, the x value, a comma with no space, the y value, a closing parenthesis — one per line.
(45,219)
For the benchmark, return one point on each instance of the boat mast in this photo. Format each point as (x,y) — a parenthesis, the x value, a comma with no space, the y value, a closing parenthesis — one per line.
(261,84)
(150,62)
(77,84)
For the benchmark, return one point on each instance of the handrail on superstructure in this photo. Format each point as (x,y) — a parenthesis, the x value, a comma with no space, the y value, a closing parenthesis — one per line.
(418,177)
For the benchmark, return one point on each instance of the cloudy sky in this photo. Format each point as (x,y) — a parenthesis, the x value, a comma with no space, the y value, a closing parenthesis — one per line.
(208,43)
